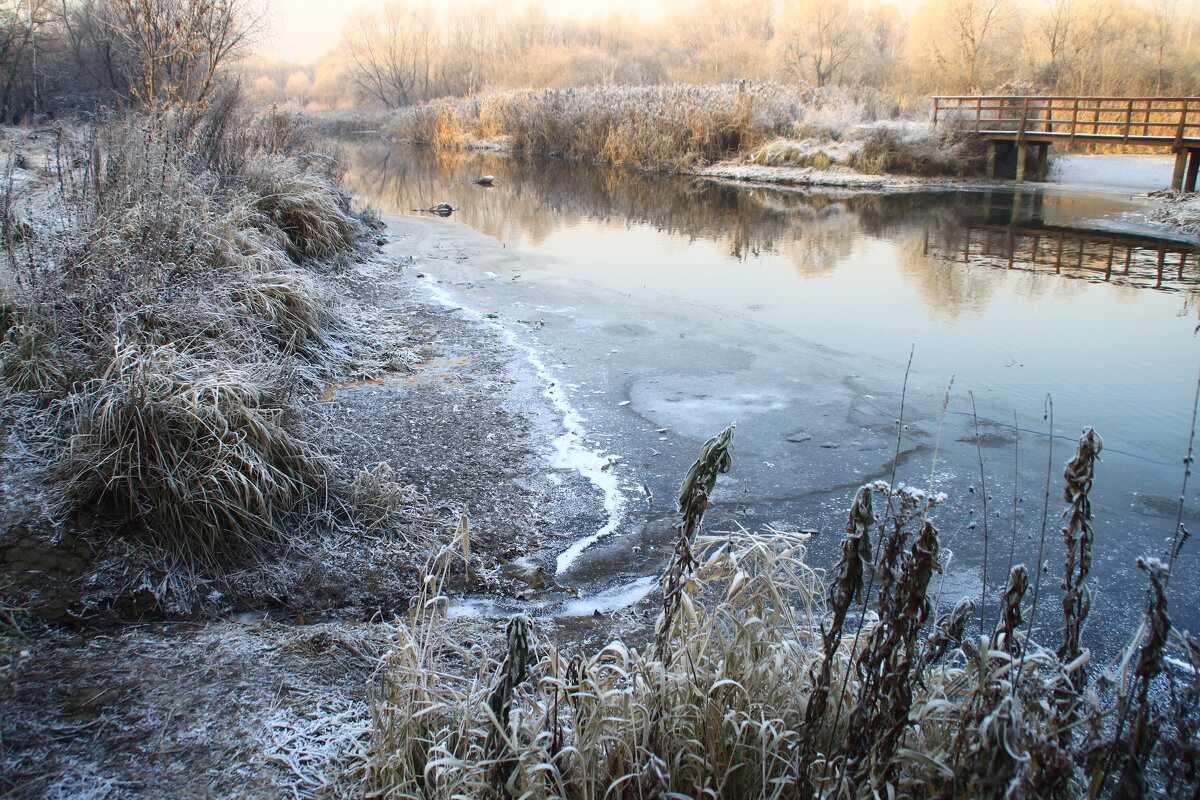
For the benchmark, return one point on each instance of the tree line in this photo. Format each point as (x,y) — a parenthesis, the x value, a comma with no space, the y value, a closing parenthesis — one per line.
(410,51)
(61,56)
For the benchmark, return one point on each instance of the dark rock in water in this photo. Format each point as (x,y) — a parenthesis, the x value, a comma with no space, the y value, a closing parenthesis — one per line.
(443,209)
(485,180)
(798,436)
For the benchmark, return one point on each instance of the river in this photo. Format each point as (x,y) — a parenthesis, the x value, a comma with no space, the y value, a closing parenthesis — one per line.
(657,309)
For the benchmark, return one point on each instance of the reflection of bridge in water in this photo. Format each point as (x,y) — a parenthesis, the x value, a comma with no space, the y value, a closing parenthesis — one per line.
(1031,245)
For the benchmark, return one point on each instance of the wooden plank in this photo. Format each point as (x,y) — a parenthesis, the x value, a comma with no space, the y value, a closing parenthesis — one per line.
(1062,97)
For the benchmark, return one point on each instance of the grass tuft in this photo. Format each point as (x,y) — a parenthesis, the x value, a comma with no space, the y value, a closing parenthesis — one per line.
(170,325)
(311,211)
(937,153)
(190,455)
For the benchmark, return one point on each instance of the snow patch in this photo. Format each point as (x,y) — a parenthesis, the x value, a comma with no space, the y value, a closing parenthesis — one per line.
(611,599)
(570,452)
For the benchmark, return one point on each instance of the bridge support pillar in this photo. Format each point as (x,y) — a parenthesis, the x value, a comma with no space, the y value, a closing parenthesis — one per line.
(1022,152)
(1189,181)
(1043,158)
(991,159)
(1181,157)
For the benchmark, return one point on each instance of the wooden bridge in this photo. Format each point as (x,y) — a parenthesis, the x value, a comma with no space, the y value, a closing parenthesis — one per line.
(1014,125)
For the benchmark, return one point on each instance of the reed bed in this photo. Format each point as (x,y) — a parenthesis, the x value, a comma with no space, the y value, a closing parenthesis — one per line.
(671,128)
(875,150)
(769,679)
(159,326)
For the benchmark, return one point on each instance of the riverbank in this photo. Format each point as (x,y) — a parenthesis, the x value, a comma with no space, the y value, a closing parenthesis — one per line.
(759,135)
(266,693)
(1179,211)
(128,676)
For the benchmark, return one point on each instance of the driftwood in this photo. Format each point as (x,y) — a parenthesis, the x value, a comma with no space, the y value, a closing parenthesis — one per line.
(441,209)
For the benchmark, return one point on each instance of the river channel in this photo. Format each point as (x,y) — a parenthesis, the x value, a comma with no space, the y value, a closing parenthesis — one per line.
(658,309)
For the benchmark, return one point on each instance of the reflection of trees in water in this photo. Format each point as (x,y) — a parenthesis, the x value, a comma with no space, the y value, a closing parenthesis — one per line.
(946,289)
(816,231)
(516,210)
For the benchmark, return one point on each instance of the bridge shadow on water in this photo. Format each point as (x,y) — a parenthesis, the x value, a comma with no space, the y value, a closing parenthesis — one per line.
(1011,232)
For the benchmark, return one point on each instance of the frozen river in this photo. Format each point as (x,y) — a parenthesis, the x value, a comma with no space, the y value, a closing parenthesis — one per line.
(663,308)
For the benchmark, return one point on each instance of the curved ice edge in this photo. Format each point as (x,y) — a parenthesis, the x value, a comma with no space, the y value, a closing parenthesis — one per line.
(569,450)
(611,599)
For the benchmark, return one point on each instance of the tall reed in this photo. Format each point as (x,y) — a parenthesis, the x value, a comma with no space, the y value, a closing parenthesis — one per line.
(740,708)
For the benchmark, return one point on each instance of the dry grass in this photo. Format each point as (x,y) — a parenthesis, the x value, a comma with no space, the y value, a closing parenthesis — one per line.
(671,128)
(680,128)
(874,149)
(159,331)
(309,208)
(190,454)
(939,152)
(791,153)
(763,693)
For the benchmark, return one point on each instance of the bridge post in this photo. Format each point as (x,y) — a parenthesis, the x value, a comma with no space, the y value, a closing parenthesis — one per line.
(1189,183)
(1022,150)
(991,159)
(1043,149)
(1181,157)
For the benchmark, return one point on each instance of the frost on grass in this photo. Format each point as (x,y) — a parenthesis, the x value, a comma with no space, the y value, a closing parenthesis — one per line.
(313,740)
(159,323)
(780,681)
(225,710)
(674,128)
(1180,211)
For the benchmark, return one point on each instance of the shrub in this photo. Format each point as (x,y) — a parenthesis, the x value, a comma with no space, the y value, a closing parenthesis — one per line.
(167,321)
(190,455)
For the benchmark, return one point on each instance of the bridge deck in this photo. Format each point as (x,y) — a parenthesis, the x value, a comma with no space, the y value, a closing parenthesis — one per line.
(1172,122)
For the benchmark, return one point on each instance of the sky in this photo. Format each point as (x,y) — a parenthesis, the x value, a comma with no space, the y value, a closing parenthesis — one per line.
(304,30)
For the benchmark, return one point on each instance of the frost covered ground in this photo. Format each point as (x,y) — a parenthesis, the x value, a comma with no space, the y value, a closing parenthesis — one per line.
(267,695)
(262,691)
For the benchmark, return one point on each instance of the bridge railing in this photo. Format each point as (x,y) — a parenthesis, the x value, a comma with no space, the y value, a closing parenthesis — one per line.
(1148,120)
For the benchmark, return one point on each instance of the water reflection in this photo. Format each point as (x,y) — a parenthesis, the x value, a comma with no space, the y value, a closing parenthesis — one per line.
(1015,236)
(955,246)
(673,306)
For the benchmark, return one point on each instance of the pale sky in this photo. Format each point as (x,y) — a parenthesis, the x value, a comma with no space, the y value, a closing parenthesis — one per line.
(303,30)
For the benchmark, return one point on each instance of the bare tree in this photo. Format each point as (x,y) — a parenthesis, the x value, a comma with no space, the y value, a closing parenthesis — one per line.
(391,52)
(820,37)
(970,41)
(26,33)
(154,51)
(175,47)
